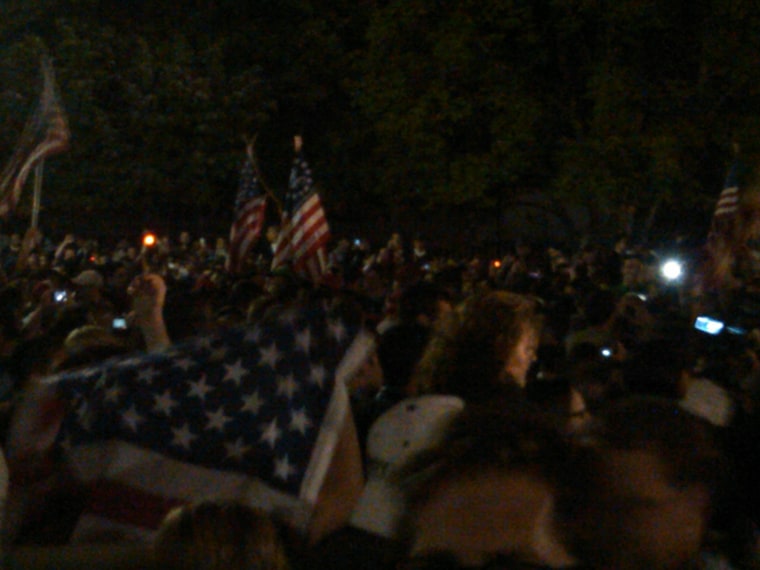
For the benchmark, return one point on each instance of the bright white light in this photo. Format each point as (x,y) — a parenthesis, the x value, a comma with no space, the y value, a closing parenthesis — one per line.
(708,325)
(671,269)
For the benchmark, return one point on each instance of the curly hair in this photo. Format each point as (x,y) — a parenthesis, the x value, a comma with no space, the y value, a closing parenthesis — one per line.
(468,351)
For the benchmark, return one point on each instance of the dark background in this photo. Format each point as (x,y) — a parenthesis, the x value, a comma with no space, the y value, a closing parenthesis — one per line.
(470,123)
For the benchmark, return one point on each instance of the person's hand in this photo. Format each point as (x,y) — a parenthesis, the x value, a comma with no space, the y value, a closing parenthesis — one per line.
(148,294)
(297,143)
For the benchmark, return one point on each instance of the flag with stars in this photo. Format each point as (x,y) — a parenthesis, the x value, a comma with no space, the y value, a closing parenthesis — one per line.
(304,230)
(248,414)
(250,210)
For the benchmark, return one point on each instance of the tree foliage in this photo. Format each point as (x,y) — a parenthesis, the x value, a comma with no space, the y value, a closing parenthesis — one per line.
(410,108)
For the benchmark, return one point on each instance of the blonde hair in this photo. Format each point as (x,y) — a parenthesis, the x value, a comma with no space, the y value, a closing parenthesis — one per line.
(219,536)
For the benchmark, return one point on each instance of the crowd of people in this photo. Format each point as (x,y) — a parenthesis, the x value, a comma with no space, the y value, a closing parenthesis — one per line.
(546,409)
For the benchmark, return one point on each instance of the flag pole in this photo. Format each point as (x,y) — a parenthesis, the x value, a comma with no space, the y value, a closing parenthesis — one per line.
(250,147)
(38,173)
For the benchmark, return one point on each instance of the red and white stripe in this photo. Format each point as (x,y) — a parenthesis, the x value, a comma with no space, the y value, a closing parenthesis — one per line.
(303,240)
(131,488)
(728,202)
(245,231)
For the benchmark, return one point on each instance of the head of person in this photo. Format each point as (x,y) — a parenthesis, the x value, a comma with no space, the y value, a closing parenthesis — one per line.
(89,285)
(283,283)
(219,536)
(424,302)
(659,367)
(648,473)
(70,253)
(599,306)
(399,350)
(119,277)
(562,402)
(486,494)
(487,344)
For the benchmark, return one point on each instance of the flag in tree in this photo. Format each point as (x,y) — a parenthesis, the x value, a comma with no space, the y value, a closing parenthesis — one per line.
(304,232)
(250,210)
(45,134)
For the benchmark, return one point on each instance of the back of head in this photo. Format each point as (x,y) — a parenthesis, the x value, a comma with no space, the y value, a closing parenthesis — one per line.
(489,487)
(561,402)
(245,292)
(491,436)
(685,444)
(645,481)
(219,536)
(655,367)
(186,312)
(399,350)
(599,306)
(420,302)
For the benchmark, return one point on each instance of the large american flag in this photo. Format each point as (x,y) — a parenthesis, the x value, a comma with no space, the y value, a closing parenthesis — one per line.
(250,209)
(304,231)
(45,134)
(248,414)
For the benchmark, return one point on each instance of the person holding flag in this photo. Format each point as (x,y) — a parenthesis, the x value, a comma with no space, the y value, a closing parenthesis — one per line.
(303,239)
(258,414)
(250,212)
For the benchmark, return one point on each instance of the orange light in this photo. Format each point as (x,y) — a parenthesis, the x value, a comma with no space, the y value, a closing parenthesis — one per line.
(149,240)
(496,263)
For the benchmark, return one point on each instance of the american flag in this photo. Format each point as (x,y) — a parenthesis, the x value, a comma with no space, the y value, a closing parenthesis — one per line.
(45,134)
(247,414)
(728,201)
(250,209)
(724,220)
(304,231)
